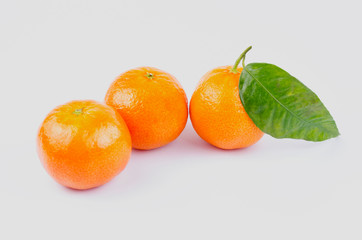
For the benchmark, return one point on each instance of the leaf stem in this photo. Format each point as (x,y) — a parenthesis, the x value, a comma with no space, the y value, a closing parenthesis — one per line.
(241,57)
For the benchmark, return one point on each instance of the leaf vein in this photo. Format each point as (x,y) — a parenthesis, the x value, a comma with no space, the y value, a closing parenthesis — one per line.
(281,104)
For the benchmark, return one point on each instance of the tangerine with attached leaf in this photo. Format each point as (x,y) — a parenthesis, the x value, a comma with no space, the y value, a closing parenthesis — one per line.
(217,113)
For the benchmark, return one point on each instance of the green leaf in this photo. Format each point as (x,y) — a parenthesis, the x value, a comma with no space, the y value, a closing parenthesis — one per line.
(283,107)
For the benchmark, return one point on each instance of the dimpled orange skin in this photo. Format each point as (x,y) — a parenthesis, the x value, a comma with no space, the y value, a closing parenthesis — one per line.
(83,144)
(152,103)
(217,113)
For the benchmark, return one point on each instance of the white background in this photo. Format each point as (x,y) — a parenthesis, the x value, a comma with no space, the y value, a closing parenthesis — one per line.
(52,52)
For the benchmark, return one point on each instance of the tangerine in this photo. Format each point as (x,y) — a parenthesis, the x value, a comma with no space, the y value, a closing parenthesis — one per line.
(83,144)
(217,113)
(153,105)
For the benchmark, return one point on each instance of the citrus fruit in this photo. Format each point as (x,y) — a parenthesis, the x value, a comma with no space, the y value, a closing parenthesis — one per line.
(83,144)
(217,113)
(153,105)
